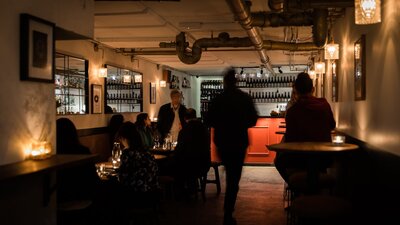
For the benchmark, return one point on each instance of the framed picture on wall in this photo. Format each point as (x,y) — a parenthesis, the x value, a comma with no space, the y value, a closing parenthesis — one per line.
(36,49)
(359,69)
(152,93)
(96,99)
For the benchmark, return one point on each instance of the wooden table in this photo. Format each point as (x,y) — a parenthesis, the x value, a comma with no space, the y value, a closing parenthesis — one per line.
(313,149)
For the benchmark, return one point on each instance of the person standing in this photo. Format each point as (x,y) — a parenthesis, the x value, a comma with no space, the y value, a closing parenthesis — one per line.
(308,119)
(171,116)
(231,113)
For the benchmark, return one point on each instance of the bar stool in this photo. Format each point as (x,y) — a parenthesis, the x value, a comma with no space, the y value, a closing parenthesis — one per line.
(216,180)
(320,209)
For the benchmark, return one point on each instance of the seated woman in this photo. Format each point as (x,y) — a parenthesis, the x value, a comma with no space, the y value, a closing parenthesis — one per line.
(138,173)
(143,125)
(75,183)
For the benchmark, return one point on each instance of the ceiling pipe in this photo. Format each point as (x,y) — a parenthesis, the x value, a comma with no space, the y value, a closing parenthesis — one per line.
(192,57)
(292,5)
(317,19)
(263,19)
(245,19)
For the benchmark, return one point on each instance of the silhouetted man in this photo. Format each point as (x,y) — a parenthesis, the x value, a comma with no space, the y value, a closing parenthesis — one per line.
(231,113)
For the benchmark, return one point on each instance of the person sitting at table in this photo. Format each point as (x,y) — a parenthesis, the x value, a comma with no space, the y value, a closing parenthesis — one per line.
(136,184)
(308,119)
(143,125)
(192,156)
(138,170)
(75,183)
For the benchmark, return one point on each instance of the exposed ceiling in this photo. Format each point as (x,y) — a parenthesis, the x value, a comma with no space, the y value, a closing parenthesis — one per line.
(138,28)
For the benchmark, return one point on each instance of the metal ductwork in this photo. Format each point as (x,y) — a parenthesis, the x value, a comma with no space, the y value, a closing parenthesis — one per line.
(194,56)
(251,22)
(245,19)
(293,5)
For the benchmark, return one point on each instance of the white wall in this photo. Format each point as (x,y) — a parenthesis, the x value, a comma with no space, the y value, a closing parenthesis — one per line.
(27,108)
(27,112)
(375,120)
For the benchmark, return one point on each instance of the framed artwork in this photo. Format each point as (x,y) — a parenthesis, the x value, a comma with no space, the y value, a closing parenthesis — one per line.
(96,99)
(335,82)
(36,49)
(152,93)
(359,69)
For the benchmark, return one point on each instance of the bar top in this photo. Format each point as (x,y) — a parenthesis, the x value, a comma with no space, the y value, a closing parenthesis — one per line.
(55,162)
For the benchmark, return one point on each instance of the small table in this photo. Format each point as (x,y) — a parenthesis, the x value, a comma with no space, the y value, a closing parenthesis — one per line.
(313,149)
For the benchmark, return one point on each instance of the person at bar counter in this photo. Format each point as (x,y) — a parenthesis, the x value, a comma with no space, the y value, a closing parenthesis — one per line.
(308,119)
(171,116)
(230,114)
(143,125)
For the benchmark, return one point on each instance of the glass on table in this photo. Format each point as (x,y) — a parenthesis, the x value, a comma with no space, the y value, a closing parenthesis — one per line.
(116,155)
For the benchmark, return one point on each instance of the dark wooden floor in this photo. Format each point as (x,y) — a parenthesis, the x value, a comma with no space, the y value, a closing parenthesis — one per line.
(260,202)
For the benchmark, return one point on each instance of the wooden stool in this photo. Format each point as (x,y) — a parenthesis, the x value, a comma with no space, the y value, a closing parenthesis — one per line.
(216,180)
(320,209)
(167,186)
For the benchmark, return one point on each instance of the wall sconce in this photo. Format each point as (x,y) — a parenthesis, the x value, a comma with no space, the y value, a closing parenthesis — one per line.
(102,73)
(319,67)
(163,83)
(367,11)
(332,51)
(39,150)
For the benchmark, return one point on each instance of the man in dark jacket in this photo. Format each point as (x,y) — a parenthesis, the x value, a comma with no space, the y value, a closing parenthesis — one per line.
(309,119)
(171,116)
(231,114)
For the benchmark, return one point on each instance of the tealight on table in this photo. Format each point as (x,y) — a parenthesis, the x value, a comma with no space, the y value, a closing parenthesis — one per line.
(313,149)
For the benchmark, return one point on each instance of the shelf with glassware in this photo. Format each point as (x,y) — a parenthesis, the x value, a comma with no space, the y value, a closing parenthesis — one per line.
(123,97)
(71,85)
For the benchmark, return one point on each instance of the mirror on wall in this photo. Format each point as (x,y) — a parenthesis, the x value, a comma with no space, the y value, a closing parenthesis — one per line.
(71,84)
(124,90)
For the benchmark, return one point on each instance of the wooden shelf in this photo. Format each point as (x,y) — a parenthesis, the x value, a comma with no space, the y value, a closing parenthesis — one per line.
(55,162)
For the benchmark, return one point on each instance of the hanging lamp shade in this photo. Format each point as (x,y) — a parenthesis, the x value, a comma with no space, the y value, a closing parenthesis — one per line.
(319,67)
(367,11)
(332,51)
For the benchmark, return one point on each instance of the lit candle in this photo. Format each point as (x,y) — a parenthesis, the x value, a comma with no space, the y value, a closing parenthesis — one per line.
(40,150)
(338,139)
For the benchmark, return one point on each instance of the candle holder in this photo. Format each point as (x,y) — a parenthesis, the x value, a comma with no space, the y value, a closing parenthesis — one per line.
(40,150)
(338,139)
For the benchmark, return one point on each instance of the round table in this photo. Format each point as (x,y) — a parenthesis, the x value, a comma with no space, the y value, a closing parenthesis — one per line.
(309,147)
(313,149)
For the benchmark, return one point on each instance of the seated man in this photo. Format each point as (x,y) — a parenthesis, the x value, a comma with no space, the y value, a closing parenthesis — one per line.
(192,157)
(192,153)
(308,119)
